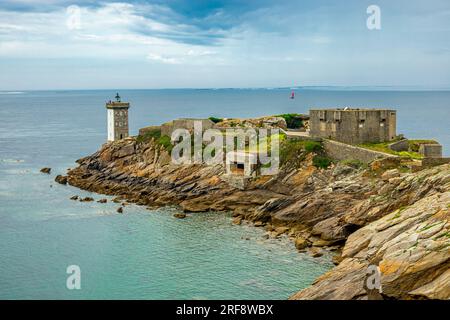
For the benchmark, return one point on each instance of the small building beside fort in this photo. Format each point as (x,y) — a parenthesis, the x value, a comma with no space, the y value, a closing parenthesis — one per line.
(353,126)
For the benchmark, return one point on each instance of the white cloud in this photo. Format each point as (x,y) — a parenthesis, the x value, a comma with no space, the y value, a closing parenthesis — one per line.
(163,59)
(119,30)
(270,46)
(199,53)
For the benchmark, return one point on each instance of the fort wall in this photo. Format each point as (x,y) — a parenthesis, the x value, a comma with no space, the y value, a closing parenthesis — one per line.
(353,126)
(342,151)
(168,127)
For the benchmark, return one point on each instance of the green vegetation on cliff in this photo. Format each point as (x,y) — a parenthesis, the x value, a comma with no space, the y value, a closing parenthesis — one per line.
(215,120)
(354,163)
(292,152)
(313,146)
(414,145)
(157,137)
(384,147)
(321,162)
(293,120)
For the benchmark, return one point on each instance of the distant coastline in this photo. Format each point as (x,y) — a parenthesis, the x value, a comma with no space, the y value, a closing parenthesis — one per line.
(324,88)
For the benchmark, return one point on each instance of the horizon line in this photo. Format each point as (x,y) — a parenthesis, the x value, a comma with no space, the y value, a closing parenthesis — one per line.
(329,87)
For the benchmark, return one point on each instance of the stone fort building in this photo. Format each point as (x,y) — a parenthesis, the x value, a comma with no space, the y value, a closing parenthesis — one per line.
(353,126)
(117,119)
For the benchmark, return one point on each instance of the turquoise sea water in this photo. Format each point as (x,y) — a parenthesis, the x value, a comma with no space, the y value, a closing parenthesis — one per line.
(148,254)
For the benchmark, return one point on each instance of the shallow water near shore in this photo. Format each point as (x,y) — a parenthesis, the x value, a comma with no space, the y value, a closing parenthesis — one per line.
(149,254)
(141,254)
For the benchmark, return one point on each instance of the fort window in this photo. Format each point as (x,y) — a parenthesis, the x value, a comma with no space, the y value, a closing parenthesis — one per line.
(362,115)
(237,168)
(337,116)
(322,116)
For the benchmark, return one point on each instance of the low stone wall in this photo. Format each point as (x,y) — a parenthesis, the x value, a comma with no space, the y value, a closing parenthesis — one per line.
(142,131)
(341,151)
(168,127)
(303,138)
(429,150)
(402,145)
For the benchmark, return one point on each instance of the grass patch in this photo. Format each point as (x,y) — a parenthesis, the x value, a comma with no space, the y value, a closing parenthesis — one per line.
(381,147)
(414,246)
(156,136)
(384,147)
(313,146)
(215,120)
(409,154)
(353,163)
(293,120)
(291,152)
(404,169)
(414,145)
(166,143)
(396,216)
(445,234)
(399,213)
(149,135)
(429,226)
(321,162)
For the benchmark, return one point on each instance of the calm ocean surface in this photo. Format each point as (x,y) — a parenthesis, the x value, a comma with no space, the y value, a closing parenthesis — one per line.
(145,254)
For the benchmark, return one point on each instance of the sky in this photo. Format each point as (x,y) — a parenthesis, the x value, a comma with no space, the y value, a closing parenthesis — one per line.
(49,44)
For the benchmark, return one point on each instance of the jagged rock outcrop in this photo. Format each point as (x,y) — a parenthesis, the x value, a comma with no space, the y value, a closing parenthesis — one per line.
(61,179)
(268,122)
(143,173)
(46,170)
(396,220)
(411,247)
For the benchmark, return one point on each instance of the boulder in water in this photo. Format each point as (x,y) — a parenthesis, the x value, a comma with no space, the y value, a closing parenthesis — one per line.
(61,179)
(46,170)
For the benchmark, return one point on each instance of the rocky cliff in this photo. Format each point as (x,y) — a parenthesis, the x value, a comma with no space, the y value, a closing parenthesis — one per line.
(377,215)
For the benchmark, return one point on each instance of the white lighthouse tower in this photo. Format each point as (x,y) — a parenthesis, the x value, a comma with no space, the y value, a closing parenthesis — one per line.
(117,119)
